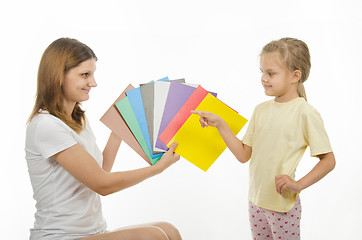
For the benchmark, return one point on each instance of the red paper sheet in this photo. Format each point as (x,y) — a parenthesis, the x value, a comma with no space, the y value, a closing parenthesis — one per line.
(180,118)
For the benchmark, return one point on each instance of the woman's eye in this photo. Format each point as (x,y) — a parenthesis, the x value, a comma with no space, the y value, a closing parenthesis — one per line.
(85,74)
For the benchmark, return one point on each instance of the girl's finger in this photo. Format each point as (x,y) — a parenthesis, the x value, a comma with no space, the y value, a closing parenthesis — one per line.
(279,186)
(203,122)
(282,189)
(200,113)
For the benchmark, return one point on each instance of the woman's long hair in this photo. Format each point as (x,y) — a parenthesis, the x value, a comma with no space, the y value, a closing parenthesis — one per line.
(60,56)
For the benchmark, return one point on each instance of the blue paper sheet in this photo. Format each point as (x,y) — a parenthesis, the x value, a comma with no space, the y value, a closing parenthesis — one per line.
(135,99)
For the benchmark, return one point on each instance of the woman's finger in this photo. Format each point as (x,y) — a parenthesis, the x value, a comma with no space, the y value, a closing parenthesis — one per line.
(173,147)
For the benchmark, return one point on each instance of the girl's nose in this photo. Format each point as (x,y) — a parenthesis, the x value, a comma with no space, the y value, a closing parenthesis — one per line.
(264,79)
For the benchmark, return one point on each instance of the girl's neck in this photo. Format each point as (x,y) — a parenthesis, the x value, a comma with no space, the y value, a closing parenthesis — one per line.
(286,97)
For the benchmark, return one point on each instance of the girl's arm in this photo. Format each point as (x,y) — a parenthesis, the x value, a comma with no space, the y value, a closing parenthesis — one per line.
(79,163)
(326,164)
(241,151)
(110,151)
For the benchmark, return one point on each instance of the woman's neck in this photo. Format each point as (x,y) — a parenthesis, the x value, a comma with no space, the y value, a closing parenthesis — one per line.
(69,107)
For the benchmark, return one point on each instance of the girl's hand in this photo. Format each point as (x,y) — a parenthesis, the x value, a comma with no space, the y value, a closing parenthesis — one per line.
(208,119)
(284,182)
(169,158)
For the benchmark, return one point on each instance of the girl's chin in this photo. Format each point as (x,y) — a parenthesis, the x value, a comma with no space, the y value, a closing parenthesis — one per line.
(269,93)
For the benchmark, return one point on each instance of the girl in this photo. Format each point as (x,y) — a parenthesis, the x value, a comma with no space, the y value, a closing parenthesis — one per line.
(278,134)
(67,170)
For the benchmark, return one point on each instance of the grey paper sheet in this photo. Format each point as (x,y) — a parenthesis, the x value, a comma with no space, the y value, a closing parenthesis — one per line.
(148,95)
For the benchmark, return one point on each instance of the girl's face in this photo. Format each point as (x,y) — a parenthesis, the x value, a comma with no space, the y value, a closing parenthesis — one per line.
(276,79)
(78,81)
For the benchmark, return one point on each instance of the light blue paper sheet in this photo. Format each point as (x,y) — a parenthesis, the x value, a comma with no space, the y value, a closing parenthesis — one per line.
(135,99)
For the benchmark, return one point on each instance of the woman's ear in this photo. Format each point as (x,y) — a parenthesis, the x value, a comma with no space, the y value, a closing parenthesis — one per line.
(61,82)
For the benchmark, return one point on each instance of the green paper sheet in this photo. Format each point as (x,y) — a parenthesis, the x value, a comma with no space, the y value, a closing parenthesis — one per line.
(124,107)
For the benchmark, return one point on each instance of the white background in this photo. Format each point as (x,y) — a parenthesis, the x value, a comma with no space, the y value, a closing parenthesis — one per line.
(215,44)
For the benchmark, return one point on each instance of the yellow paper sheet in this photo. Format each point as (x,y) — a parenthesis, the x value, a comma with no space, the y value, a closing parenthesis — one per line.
(202,146)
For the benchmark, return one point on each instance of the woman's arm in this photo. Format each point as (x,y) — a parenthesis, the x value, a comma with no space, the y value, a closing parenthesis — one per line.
(241,151)
(83,167)
(326,164)
(110,151)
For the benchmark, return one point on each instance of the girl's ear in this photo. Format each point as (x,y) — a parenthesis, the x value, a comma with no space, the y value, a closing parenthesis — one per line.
(297,74)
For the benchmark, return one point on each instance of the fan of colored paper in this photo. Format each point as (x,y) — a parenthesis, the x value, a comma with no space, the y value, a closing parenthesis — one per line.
(156,114)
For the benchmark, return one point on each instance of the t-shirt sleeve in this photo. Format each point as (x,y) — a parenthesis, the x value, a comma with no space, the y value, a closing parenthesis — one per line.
(248,137)
(316,135)
(52,137)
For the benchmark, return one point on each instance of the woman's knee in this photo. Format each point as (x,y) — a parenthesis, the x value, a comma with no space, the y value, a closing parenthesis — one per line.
(171,231)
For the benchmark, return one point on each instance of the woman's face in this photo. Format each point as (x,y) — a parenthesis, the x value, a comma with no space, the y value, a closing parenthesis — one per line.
(78,81)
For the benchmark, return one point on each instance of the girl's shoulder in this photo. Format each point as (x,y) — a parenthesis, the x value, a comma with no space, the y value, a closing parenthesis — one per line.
(299,106)
(306,111)
(307,108)
(297,102)
(263,104)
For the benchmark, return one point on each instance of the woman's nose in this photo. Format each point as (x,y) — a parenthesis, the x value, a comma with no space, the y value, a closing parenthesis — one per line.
(92,82)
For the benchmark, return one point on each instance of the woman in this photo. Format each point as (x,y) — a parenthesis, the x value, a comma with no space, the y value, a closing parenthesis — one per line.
(66,168)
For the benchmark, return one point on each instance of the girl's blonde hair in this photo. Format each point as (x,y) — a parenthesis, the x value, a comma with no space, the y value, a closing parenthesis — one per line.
(295,54)
(58,58)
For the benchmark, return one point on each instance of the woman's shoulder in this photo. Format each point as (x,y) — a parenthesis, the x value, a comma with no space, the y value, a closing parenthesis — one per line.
(42,117)
(44,120)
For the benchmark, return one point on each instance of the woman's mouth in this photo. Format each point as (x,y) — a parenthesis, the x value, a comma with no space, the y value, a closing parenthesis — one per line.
(86,90)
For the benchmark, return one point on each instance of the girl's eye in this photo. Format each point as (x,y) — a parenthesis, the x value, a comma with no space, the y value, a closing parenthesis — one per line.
(85,74)
(271,74)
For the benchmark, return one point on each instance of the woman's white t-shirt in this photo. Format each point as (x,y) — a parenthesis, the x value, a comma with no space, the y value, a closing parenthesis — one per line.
(66,208)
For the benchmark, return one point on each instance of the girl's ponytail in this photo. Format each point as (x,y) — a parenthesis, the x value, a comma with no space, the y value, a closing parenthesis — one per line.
(301,91)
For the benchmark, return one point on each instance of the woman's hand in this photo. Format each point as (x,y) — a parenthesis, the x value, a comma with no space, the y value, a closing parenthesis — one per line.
(79,163)
(208,119)
(169,158)
(284,182)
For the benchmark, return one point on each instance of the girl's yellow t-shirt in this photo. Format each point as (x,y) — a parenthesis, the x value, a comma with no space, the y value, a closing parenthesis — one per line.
(279,134)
